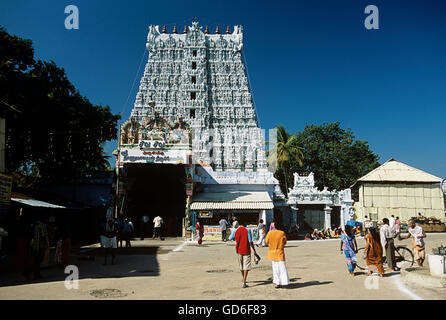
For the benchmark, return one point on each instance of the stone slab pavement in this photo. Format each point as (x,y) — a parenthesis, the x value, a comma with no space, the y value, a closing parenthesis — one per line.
(178,270)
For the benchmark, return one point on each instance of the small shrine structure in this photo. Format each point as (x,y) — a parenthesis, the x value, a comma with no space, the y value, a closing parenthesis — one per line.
(318,209)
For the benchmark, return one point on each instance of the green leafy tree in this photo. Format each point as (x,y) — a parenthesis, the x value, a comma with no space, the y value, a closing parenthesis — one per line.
(52,130)
(333,154)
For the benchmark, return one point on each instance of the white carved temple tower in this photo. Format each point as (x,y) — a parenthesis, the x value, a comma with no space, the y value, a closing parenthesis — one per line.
(202,78)
(195,85)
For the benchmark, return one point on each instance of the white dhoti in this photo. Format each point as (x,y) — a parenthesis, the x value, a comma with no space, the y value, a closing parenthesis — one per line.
(280,273)
(261,241)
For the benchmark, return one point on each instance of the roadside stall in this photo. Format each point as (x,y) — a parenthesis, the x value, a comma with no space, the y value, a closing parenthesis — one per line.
(247,207)
(431,224)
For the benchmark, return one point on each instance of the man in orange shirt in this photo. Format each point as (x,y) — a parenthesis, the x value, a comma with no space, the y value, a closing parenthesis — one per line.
(276,240)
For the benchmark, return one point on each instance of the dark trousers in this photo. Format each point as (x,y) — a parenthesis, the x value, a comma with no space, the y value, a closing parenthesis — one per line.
(223,235)
(157,232)
(390,253)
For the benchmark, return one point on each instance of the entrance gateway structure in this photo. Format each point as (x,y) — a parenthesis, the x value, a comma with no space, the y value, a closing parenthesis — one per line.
(192,148)
(316,209)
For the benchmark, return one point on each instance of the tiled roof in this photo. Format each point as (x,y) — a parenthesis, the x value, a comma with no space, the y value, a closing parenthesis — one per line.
(232,200)
(395,171)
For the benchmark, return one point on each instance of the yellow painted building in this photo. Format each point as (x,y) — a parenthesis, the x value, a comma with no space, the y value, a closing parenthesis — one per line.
(397,189)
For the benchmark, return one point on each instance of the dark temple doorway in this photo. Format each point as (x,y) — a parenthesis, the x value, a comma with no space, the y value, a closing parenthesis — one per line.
(156,189)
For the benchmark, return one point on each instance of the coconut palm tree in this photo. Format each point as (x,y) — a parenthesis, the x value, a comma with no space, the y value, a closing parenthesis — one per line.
(283,150)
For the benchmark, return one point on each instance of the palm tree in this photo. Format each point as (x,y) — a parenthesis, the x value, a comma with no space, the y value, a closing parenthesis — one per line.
(283,151)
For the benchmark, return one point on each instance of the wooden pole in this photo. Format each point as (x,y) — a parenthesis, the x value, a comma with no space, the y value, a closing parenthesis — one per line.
(117,173)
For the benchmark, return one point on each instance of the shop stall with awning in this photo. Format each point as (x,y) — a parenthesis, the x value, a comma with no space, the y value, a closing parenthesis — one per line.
(245,206)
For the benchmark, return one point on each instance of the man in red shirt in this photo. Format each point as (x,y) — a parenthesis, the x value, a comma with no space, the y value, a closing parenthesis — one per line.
(243,245)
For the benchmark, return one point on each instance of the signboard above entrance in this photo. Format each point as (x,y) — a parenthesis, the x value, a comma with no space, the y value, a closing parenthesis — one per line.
(204,214)
(155,141)
(172,156)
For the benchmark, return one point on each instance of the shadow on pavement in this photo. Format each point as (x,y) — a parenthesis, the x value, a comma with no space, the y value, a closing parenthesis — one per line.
(306,284)
(269,281)
(293,283)
(129,262)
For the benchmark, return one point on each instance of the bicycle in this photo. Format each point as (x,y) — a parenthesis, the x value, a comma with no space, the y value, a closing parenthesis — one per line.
(403,256)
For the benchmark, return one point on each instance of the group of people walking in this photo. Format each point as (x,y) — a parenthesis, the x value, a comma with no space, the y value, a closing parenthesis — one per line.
(380,244)
(245,246)
(275,239)
(379,247)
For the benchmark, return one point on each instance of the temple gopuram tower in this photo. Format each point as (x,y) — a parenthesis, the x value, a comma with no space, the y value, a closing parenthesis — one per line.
(202,78)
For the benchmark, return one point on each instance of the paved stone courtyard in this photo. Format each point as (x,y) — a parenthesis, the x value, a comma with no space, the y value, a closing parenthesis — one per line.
(178,270)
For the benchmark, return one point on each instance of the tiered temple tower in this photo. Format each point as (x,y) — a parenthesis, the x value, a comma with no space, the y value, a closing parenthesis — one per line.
(202,78)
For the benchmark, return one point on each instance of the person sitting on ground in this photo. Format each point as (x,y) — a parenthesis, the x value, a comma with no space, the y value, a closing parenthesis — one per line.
(315,234)
(321,235)
(308,236)
(328,233)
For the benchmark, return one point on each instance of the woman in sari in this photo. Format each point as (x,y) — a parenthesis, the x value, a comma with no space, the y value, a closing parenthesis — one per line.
(373,252)
(200,232)
(348,241)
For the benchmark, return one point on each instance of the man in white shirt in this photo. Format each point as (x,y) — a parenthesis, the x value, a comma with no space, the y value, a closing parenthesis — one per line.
(418,245)
(157,227)
(387,235)
(392,222)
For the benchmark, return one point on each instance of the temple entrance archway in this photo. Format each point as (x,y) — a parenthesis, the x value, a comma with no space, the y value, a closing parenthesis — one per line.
(156,189)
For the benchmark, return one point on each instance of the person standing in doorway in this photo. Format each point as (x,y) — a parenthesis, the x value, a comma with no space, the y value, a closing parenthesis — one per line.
(418,245)
(262,233)
(243,245)
(223,225)
(157,222)
(350,248)
(387,242)
(276,239)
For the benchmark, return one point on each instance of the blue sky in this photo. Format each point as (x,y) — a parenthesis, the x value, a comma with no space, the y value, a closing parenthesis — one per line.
(309,62)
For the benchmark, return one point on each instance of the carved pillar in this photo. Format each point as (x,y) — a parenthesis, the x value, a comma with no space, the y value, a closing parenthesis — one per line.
(342,216)
(295,217)
(327,211)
